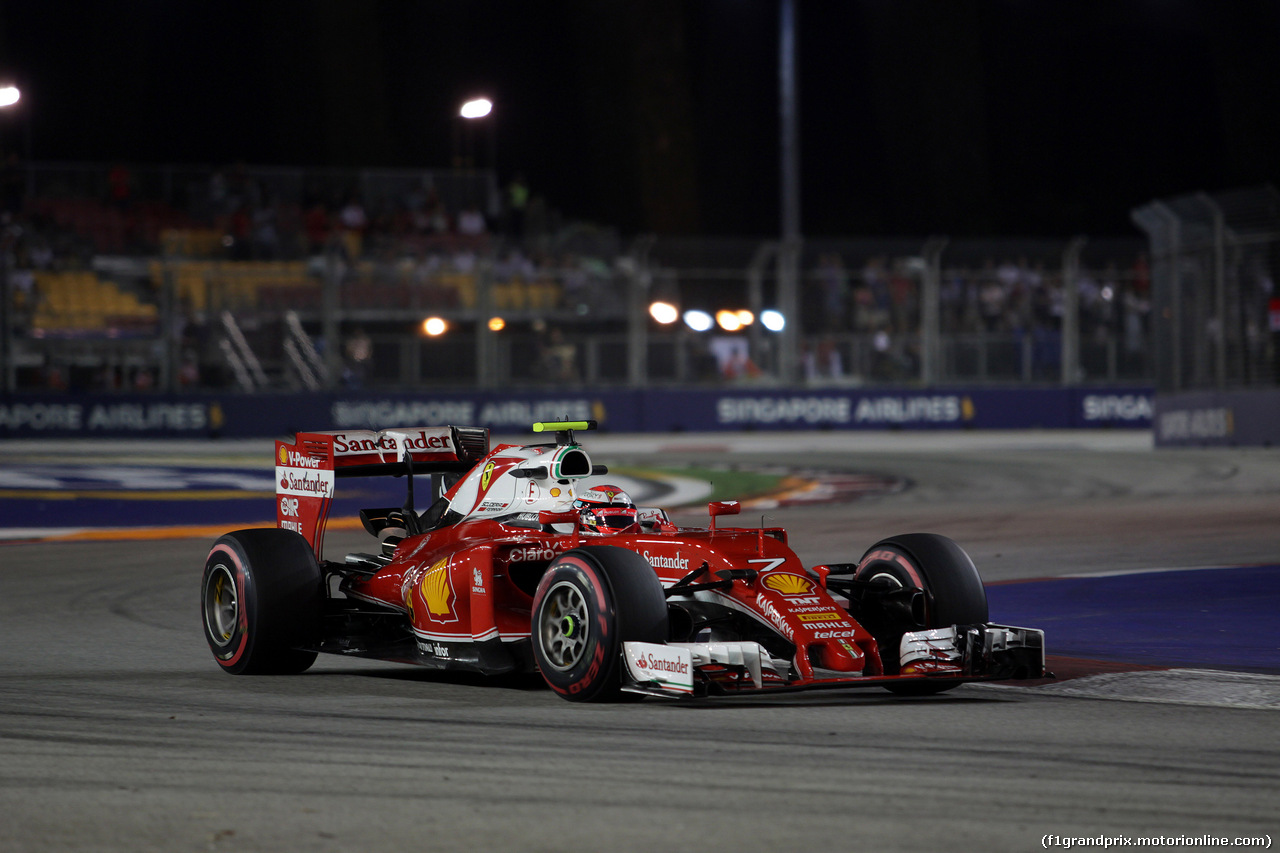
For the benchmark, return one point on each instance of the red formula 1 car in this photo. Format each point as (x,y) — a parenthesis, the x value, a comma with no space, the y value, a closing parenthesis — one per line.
(519,565)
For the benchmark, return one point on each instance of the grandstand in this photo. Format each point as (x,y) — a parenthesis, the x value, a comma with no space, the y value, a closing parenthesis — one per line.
(191,255)
(80,304)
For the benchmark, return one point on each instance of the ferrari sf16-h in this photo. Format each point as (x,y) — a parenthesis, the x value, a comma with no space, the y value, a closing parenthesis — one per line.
(522,563)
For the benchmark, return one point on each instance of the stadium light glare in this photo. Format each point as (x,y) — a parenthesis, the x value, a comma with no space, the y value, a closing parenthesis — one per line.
(497,324)
(434,326)
(728,320)
(476,108)
(9,95)
(745,317)
(773,320)
(699,321)
(664,312)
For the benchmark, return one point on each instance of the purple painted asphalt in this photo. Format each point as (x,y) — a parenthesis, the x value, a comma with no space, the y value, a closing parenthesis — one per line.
(1226,618)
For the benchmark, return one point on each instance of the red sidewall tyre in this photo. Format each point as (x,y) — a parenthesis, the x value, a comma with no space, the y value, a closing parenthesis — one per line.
(937,565)
(940,567)
(260,600)
(588,603)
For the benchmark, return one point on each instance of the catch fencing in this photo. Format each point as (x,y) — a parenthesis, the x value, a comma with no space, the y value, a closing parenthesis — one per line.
(1215,259)
(248,278)
(576,311)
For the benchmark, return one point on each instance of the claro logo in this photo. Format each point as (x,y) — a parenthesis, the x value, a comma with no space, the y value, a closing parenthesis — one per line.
(533,554)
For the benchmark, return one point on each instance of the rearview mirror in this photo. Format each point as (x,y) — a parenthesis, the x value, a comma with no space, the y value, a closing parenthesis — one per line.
(724,508)
(548,516)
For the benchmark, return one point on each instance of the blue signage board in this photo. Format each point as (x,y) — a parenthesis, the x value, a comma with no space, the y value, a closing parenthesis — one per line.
(651,410)
(1218,419)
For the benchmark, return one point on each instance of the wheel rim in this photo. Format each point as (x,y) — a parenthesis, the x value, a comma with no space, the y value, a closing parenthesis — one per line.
(221,605)
(888,579)
(563,626)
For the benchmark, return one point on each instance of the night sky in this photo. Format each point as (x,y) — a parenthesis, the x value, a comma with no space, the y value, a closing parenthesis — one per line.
(1006,117)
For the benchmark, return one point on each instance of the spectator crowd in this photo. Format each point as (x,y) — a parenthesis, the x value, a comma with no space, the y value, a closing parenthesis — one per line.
(414,241)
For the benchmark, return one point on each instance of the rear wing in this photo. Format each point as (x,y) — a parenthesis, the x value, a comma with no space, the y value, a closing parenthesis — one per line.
(367,453)
(307,467)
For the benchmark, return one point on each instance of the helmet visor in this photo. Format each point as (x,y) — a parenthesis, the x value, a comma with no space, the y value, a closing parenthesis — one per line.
(615,518)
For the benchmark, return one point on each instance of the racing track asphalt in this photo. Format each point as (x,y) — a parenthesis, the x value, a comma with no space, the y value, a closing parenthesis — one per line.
(118,733)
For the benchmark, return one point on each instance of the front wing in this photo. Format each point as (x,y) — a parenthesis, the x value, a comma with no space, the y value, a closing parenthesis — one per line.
(944,656)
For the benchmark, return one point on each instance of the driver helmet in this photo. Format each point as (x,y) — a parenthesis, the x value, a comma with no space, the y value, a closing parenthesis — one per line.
(606,509)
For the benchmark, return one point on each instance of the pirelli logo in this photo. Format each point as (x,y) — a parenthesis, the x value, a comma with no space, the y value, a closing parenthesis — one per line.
(820,617)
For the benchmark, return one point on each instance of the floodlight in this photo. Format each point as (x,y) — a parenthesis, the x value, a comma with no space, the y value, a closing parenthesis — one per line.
(476,108)
(699,321)
(664,312)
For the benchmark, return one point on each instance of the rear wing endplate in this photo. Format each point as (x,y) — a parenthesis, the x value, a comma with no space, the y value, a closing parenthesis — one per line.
(307,467)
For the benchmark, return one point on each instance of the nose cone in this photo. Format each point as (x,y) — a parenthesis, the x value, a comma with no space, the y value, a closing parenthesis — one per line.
(834,655)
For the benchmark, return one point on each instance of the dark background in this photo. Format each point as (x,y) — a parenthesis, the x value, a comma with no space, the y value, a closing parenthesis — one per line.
(1008,117)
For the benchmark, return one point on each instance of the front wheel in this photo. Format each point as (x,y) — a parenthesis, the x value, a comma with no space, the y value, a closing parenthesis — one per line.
(588,603)
(936,565)
(261,598)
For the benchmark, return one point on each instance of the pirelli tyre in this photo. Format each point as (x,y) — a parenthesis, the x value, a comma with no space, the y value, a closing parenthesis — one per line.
(588,603)
(261,599)
(954,594)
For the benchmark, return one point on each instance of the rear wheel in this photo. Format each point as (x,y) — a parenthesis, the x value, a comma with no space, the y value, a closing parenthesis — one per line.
(953,592)
(261,599)
(588,603)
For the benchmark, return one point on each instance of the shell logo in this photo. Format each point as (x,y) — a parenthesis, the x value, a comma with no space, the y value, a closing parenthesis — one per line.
(284,456)
(437,591)
(788,584)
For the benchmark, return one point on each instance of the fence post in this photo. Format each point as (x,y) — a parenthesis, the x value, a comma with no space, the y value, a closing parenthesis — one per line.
(1219,288)
(638,279)
(6,317)
(1175,295)
(755,302)
(931,310)
(169,327)
(1071,310)
(789,305)
(330,329)
(484,335)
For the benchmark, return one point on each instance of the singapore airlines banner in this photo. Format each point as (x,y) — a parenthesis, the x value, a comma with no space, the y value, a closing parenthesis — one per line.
(654,410)
(1243,418)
